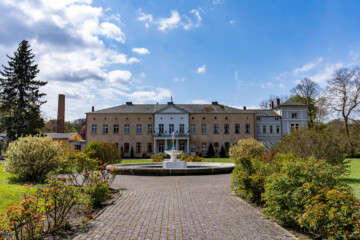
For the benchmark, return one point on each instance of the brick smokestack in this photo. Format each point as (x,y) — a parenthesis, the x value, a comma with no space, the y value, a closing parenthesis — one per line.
(60,126)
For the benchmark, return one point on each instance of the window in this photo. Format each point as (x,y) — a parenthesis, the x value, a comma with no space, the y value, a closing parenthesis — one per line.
(192,128)
(149,148)
(258,118)
(271,129)
(126,147)
(237,128)
(182,128)
(182,146)
(193,148)
(257,129)
(293,115)
(264,129)
(161,128)
(226,128)
(138,128)
(77,147)
(227,146)
(203,147)
(203,128)
(276,119)
(150,128)
(138,147)
(116,128)
(93,129)
(216,129)
(171,128)
(294,126)
(247,128)
(161,147)
(127,129)
(277,129)
(216,144)
(105,129)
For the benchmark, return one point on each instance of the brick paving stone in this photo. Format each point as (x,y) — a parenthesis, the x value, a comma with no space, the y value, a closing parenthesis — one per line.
(180,207)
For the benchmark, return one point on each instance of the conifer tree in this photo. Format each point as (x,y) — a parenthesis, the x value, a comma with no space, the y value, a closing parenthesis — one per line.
(211,151)
(20,98)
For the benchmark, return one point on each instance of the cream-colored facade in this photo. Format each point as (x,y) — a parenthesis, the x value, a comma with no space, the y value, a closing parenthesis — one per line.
(194,127)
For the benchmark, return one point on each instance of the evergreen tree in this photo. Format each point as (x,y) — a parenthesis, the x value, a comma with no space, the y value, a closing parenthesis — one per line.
(19,94)
(211,152)
(222,152)
(132,153)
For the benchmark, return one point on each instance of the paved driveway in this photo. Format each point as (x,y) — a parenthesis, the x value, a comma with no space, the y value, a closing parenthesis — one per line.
(186,207)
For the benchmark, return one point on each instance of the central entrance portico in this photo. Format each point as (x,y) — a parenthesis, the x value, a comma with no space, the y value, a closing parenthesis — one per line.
(163,143)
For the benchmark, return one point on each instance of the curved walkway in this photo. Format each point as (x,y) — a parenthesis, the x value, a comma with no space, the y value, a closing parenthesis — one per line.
(183,207)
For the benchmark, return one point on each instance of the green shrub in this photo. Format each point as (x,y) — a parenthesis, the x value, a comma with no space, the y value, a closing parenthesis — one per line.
(107,153)
(321,144)
(193,159)
(332,213)
(99,189)
(33,158)
(247,148)
(286,191)
(182,156)
(158,157)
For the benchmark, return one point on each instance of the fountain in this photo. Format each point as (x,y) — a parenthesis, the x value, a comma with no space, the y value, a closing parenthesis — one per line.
(173,162)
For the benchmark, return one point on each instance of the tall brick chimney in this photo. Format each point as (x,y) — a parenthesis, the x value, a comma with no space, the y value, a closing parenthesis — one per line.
(60,126)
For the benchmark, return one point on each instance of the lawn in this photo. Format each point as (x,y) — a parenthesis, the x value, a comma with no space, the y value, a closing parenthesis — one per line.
(10,191)
(354,178)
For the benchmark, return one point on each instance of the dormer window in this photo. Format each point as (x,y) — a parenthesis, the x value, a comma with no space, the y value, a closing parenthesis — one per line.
(293,115)
(258,118)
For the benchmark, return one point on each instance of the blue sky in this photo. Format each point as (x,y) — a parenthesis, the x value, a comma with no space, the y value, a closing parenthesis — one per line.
(104,53)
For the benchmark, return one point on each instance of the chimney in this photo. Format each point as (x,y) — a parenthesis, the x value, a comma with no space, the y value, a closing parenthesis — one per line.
(60,126)
(272,104)
(92,109)
(170,103)
(278,101)
(128,103)
(214,103)
(244,107)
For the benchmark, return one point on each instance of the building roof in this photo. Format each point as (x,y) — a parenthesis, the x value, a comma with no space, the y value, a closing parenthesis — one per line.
(265,113)
(291,103)
(191,108)
(60,135)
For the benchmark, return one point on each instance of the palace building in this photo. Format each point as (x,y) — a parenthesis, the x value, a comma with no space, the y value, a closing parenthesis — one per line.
(152,128)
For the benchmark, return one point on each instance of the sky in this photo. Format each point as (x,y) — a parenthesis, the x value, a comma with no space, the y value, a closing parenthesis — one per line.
(105,53)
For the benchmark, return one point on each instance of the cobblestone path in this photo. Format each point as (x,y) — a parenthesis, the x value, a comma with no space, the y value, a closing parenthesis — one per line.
(186,207)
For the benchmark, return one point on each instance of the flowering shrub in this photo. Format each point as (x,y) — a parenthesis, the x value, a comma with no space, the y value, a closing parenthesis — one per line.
(286,191)
(33,158)
(193,159)
(99,189)
(247,148)
(332,213)
(158,157)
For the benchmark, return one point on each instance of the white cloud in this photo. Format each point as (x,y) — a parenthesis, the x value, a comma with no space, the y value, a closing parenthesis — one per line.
(174,21)
(308,66)
(201,70)
(156,95)
(200,101)
(232,22)
(141,51)
(281,85)
(119,77)
(179,79)
(355,55)
(217,2)
(325,74)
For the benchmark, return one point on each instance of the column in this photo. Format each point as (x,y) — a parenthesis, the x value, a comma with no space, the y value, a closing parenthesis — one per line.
(188,146)
(166,147)
(177,144)
(155,147)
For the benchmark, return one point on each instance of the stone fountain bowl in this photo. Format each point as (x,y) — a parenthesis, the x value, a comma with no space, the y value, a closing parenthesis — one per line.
(175,152)
(156,169)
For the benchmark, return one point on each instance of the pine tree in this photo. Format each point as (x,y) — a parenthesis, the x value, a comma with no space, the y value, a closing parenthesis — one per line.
(211,152)
(222,152)
(132,153)
(20,95)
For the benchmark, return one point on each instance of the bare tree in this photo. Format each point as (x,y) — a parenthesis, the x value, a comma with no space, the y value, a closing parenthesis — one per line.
(343,96)
(265,104)
(307,92)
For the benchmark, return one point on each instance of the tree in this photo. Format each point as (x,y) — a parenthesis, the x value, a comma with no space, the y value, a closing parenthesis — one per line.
(19,94)
(306,92)
(222,152)
(343,93)
(132,152)
(211,152)
(79,123)
(265,104)
(50,127)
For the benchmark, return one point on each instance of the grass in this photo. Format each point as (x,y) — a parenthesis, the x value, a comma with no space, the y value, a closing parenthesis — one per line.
(354,178)
(10,190)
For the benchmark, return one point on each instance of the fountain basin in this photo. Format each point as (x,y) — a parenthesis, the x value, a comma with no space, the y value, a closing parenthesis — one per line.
(156,169)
